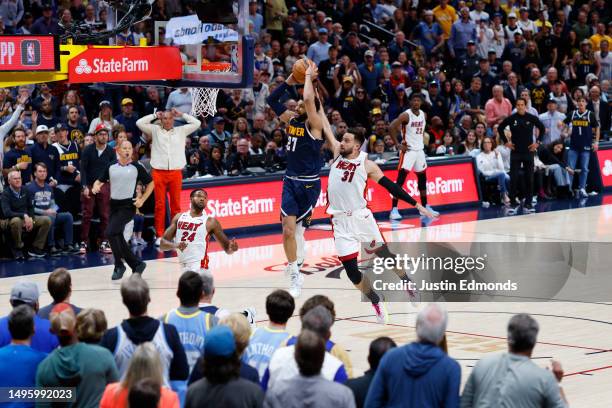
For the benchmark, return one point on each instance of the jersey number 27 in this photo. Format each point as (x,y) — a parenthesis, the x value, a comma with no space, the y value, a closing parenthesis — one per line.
(292,143)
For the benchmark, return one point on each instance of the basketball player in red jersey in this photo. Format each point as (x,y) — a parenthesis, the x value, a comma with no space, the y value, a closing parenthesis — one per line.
(189,234)
(353,222)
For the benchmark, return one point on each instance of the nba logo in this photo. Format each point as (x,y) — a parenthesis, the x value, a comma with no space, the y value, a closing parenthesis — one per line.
(30,52)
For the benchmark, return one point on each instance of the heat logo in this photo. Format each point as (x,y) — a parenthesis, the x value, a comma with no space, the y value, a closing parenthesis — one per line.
(83,67)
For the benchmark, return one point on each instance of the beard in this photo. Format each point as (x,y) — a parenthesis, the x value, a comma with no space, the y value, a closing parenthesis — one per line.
(197,207)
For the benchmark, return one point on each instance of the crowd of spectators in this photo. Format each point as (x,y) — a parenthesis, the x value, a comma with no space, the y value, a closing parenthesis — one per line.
(469,61)
(195,356)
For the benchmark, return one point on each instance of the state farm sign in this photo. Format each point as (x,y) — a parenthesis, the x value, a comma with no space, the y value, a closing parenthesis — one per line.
(126,65)
(258,203)
(604,157)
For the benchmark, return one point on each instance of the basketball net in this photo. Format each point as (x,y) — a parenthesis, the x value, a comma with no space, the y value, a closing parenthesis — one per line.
(204,100)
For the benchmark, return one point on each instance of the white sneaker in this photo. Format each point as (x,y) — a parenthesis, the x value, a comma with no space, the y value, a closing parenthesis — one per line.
(250,314)
(582,193)
(434,212)
(395,214)
(380,309)
(296,279)
(158,242)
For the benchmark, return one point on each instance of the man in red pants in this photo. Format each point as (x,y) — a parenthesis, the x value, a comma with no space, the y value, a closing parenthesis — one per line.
(167,160)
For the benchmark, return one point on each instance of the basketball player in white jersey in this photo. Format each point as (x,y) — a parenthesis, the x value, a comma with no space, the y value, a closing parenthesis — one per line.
(189,233)
(412,123)
(353,222)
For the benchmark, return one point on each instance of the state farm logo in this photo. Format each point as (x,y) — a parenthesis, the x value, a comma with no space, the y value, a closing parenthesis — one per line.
(104,66)
(83,67)
(437,186)
(607,168)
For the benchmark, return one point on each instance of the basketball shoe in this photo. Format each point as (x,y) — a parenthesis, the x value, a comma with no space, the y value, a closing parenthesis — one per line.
(380,309)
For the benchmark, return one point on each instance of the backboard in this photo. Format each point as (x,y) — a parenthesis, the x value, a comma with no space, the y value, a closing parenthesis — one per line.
(214,55)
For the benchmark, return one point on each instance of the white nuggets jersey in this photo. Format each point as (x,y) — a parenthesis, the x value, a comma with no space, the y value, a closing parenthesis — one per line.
(192,230)
(414,130)
(347,184)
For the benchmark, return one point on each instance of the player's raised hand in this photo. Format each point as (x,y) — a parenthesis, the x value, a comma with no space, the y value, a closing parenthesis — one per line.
(22,99)
(233,246)
(291,80)
(424,211)
(312,70)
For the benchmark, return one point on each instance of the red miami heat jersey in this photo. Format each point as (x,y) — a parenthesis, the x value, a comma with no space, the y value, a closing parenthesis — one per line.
(413,130)
(192,230)
(346,185)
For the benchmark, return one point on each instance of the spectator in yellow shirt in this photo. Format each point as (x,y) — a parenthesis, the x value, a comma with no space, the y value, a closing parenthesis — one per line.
(599,36)
(445,15)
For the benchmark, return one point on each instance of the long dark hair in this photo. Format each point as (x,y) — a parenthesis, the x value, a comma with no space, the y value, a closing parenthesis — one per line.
(220,370)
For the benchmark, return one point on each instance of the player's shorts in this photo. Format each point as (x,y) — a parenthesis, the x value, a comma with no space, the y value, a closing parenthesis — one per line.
(413,160)
(299,198)
(193,267)
(351,231)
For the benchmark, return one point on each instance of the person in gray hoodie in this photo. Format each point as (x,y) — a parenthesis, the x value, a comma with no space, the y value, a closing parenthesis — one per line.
(419,374)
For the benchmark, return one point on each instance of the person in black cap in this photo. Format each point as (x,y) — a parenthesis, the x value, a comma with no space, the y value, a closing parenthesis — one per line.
(469,63)
(222,385)
(47,24)
(487,79)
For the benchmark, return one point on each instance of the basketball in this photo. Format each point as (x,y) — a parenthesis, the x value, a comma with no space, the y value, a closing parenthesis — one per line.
(299,70)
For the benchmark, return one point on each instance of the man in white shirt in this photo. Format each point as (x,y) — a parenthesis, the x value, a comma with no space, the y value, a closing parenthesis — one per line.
(525,24)
(167,160)
(552,121)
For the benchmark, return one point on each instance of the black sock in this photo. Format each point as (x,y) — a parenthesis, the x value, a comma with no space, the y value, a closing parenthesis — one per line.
(423,198)
(373,296)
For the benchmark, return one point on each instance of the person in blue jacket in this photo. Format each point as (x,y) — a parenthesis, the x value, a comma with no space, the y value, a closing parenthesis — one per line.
(419,374)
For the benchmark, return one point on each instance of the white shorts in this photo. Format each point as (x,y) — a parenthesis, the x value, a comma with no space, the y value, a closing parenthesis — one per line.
(413,160)
(194,267)
(351,231)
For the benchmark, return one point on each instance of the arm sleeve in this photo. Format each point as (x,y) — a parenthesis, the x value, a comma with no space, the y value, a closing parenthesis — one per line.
(396,191)
(7,211)
(502,126)
(454,383)
(540,126)
(179,369)
(105,176)
(6,128)
(83,167)
(341,376)
(145,125)
(143,176)
(276,97)
(192,125)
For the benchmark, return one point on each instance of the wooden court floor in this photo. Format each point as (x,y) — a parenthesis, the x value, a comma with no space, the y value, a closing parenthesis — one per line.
(579,334)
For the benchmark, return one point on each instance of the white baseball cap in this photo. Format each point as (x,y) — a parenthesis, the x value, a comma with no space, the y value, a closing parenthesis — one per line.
(41,128)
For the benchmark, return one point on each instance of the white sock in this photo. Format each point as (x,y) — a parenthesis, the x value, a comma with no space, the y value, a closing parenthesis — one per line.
(300,241)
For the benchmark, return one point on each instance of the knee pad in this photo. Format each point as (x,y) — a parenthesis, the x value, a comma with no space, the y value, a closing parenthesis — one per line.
(352,270)
(422,180)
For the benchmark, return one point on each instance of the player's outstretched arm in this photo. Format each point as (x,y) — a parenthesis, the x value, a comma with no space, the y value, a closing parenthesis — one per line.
(396,124)
(214,227)
(315,123)
(167,242)
(275,100)
(376,174)
(331,142)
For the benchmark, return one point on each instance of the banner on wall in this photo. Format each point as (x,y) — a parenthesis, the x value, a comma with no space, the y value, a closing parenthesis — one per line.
(604,157)
(190,30)
(258,203)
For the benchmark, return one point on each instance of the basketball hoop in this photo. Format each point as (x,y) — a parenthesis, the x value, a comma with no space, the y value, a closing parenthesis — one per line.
(204,100)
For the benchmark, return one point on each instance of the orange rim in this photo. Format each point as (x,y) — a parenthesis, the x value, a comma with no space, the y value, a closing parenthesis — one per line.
(216,66)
